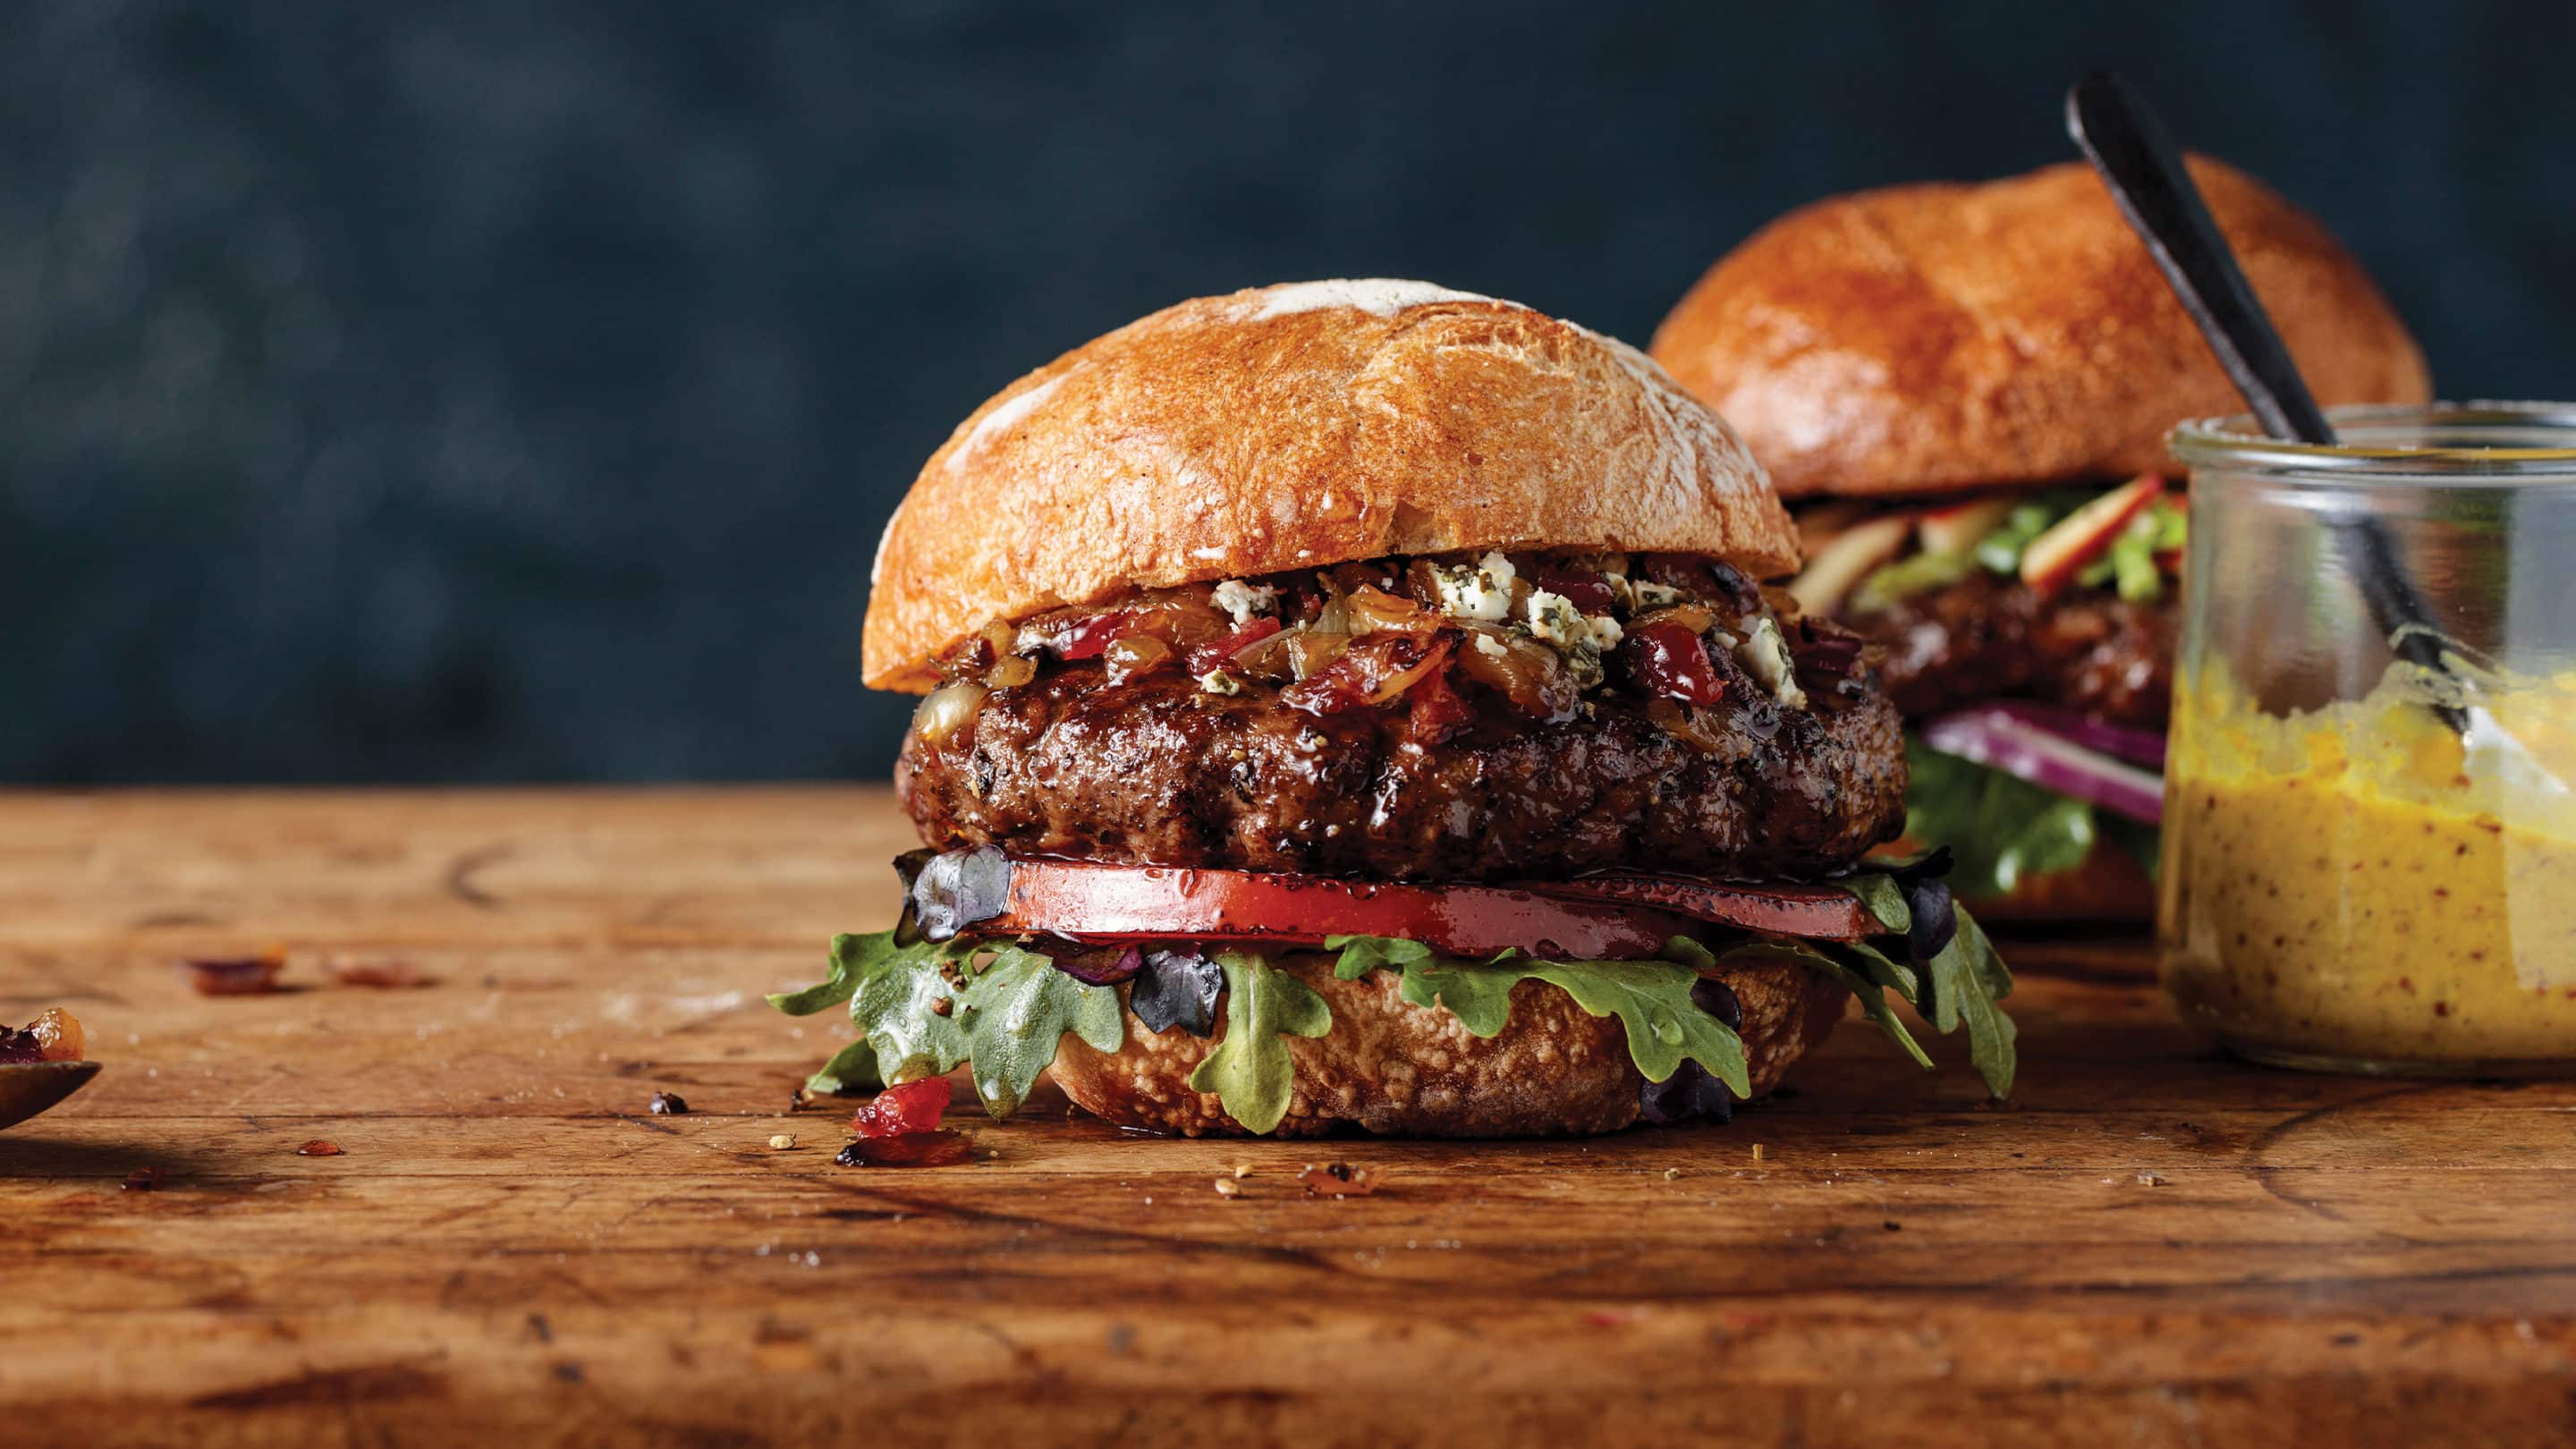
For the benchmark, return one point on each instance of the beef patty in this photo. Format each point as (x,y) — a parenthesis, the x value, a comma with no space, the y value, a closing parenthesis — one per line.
(1986,637)
(1155,770)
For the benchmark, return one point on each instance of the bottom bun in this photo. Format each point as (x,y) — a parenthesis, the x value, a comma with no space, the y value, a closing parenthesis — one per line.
(1402,1070)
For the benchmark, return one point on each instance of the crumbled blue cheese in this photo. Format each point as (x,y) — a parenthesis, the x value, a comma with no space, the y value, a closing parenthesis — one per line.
(1217,681)
(1481,590)
(1652,596)
(1243,600)
(1765,656)
(1489,646)
(1606,632)
(1555,619)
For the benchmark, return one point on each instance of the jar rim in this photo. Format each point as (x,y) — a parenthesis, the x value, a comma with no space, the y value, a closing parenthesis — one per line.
(2237,443)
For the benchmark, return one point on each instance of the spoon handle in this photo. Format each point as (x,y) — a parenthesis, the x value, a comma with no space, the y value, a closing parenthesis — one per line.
(2139,163)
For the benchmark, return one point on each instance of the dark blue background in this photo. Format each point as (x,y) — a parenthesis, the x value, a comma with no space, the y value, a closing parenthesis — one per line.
(493,392)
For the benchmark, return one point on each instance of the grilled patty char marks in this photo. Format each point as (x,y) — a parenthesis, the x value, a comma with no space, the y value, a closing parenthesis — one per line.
(1986,638)
(1155,770)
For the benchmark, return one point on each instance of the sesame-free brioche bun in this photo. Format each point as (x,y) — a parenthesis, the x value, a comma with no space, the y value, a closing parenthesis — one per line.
(1402,1070)
(1935,338)
(1298,426)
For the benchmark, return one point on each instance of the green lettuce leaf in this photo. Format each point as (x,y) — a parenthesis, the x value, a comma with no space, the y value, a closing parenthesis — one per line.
(1017,1011)
(852,1069)
(2000,830)
(1968,978)
(1005,1017)
(1249,1069)
(2143,842)
(1364,954)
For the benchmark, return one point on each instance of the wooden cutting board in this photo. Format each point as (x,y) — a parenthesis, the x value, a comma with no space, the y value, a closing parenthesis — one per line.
(2150,1246)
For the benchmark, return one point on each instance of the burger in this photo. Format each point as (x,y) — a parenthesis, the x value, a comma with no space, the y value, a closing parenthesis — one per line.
(1964,390)
(1353,703)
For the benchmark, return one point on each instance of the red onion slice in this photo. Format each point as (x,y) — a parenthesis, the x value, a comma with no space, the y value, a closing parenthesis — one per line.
(1998,739)
(2126,742)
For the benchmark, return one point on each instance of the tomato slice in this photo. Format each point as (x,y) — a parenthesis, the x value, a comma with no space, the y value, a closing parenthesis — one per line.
(1596,918)
(1090,902)
(1813,912)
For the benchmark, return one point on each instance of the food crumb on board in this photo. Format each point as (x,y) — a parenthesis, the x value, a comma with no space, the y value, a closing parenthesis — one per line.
(1672,1174)
(239,976)
(2149,1179)
(1336,1179)
(668,1104)
(780,1142)
(1242,1170)
(383,974)
(1757,1152)
(319,1147)
(1228,1187)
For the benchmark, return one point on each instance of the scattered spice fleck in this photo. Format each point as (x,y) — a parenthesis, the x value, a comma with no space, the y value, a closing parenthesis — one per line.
(319,1147)
(240,976)
(143,1179)
(782,1141)
(1228,1187)
(1893,1226)
(668,1104)
(939,1006)
(377,973)
(1336,1179)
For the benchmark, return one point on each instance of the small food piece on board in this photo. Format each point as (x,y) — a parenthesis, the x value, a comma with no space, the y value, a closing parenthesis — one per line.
(1336,1179)
(234,976)
(319,1147)
(370,971)
(904,1109)
(54,1036)
(913,1149)
(667,1104)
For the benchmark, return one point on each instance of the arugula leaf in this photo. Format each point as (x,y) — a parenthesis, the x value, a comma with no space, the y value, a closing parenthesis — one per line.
(1883,896)
(1006,1018)
(897,1006)
(1250,1070)
(853,957)
(1015,1013)
(2000,829)
(1967,980)
(1653,1001)
(1869,990)
(1479,995)
(852,1069)
(1363,954)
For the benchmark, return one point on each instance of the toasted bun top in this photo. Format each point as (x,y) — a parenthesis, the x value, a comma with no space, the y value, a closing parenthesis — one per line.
(1298,426)
(1942,337)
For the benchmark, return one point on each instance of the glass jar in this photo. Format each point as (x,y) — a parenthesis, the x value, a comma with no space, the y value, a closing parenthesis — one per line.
(2369,858)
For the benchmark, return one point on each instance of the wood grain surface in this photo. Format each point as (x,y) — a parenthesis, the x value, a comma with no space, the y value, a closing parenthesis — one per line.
(2150,1246)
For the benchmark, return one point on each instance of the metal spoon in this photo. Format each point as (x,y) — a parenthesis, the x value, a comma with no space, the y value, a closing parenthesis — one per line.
(2138,161)
(27,1088)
